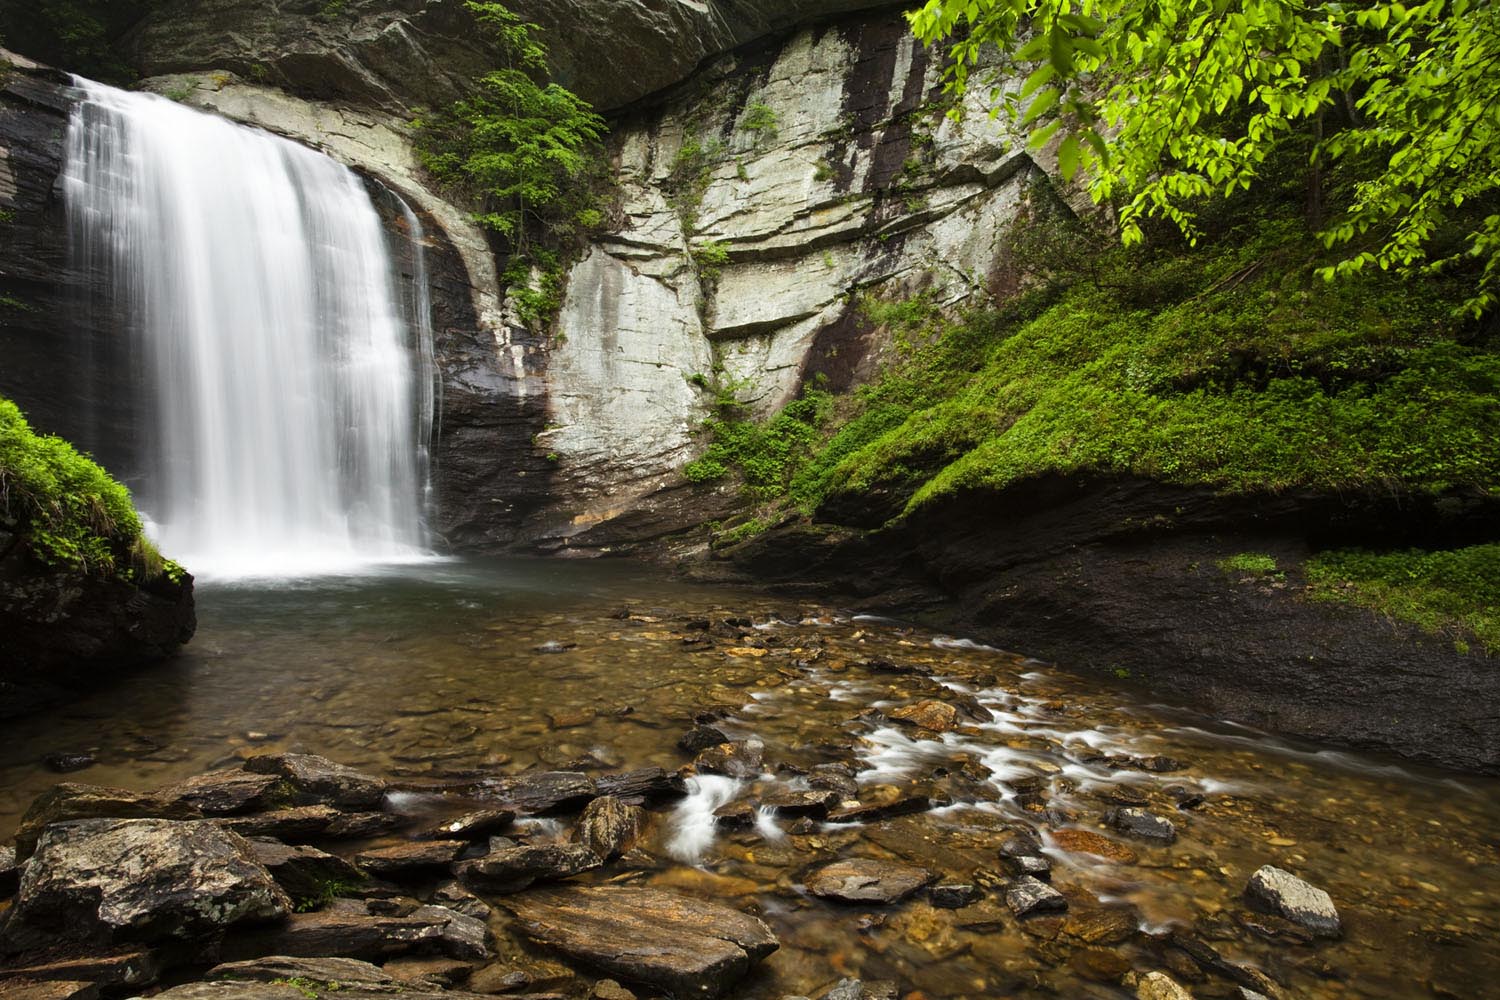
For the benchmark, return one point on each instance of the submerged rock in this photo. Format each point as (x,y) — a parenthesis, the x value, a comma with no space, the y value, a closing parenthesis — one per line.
(1160,986)
(937,716)
(687,947)
(1089,842)
(1276,891)
(103,881)
(67,763)
(866,880)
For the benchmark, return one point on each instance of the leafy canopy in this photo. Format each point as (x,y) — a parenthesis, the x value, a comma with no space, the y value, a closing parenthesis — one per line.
(519,141)
(1163,103)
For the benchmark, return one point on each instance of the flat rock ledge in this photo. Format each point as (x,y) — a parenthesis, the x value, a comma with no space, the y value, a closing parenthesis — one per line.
(687,947)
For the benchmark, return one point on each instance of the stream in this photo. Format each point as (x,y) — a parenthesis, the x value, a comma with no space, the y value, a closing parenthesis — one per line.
(463,667)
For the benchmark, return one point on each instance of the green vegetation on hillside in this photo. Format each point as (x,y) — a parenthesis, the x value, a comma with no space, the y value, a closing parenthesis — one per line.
(77,35)
(1452,592)
(1393,106)
(527,151)
(1231,365)
(67,509)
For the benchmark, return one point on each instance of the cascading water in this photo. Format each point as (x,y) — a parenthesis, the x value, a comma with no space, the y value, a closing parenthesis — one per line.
(290,392)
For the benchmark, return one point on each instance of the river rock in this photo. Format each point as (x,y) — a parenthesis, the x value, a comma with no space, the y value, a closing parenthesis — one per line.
(737,759)
(1034,865)
(937,716)
(700,738)
(109,967)
(867,880)
(952,895)
(541,793)
(225,792)
(1027,896)
(857,989)
(306,873)
(349,973)
(1089,842)
(1160,986)
(1136,822)
(405,859)
(608,989)
(883,802)
(61,989)
(456,897)
(609,827)
(317,780)
(9,874)
(294,824)
(62,762)
(70,800)
(349,928)
(646,784)
(793,802)
(1276,891)
(685,946)
(472,825)
(513,869)
(102,881)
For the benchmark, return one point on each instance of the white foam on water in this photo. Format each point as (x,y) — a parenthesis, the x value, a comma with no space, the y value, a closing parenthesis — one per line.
(692,822)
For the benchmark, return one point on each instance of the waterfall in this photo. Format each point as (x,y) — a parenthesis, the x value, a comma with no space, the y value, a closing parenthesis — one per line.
(286,369)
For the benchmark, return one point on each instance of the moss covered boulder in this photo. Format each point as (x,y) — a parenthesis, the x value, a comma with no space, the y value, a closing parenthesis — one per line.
(83,593)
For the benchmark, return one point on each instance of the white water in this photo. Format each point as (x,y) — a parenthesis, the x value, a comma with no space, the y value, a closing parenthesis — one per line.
(290,393)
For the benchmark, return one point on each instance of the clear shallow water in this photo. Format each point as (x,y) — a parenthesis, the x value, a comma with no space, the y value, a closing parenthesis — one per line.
(424,672)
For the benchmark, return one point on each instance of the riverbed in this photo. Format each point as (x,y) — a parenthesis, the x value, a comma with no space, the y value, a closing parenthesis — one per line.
(456,669)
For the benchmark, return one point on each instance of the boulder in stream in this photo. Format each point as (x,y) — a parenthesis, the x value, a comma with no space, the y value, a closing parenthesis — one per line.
(609,827)
(1027,896)
(937,716)
(867,880)
(515,868)
(225,792)
(1276,891)
(1136,822)
(71,800)
(684,946)
(737,759)
(317,780)
(104,881)
(541,793)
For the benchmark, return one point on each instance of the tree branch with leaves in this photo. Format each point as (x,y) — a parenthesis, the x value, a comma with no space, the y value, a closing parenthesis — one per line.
(1162,104)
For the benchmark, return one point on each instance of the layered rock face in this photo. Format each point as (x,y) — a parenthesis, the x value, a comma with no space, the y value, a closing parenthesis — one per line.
(757,203)
(401,54)
(754,203)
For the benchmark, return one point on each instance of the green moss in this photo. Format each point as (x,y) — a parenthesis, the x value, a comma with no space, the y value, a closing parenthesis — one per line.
(1257,563)
(71,513)
(1453,592)
(762,454)
(1232,366)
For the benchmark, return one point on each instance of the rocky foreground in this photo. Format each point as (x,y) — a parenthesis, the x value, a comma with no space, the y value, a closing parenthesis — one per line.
(292,876)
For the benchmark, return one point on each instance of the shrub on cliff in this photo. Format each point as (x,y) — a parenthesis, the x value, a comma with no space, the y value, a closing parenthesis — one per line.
(520,143)
(68,510)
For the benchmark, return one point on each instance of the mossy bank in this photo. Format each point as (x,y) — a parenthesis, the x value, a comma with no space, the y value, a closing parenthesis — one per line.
(83,592)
